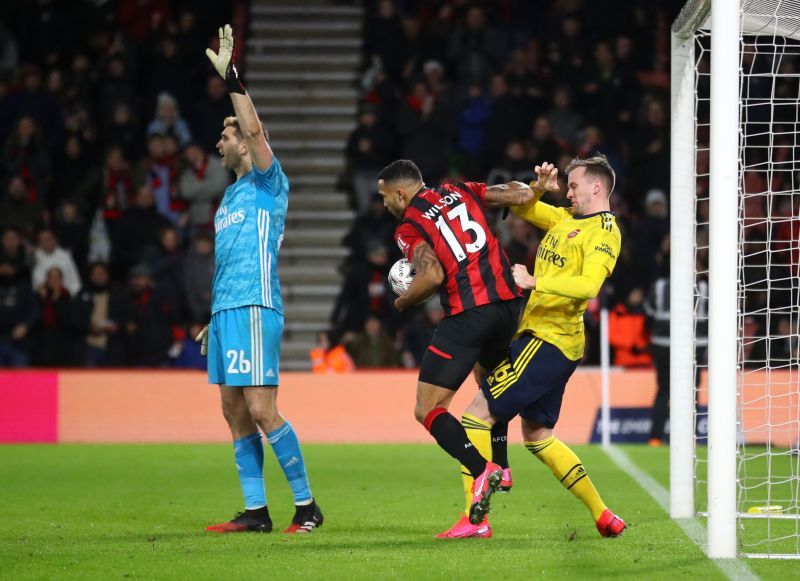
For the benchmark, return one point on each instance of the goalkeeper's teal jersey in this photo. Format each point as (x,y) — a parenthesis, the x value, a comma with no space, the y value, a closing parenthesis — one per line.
(249,227)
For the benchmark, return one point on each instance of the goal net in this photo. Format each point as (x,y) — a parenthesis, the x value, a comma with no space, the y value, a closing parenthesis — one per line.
(737,115)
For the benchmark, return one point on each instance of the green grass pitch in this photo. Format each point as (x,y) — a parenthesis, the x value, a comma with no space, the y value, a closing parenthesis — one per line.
(138,512)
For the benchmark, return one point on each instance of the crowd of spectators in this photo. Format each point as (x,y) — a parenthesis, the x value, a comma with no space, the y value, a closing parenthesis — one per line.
(109,117)
(484,90)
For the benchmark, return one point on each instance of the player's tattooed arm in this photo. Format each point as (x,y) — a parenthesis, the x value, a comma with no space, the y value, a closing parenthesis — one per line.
(510,194)
(429,276)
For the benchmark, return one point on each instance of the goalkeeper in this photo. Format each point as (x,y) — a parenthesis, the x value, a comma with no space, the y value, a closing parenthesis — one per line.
(577,253)
(243,340)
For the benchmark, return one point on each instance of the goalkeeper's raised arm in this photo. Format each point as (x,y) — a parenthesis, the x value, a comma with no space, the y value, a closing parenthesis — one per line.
(248,122)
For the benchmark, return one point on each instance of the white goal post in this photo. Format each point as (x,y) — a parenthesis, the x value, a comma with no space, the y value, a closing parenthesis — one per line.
(735,205)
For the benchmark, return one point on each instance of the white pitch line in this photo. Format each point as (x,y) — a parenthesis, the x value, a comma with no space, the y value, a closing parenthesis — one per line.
(731,568)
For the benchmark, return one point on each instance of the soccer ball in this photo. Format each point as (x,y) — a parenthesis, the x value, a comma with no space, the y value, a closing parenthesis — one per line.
(400,276)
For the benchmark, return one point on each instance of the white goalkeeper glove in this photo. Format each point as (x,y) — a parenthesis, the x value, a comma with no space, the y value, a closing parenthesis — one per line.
(223,61)
(202,338)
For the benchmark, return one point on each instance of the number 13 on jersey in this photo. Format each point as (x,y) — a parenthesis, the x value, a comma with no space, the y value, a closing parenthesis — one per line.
(467,225)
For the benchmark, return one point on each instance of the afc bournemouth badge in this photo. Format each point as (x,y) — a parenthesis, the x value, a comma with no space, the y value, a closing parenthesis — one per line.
(574,233)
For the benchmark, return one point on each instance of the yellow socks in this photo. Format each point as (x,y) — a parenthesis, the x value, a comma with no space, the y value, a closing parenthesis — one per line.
(480,434)
(567,467)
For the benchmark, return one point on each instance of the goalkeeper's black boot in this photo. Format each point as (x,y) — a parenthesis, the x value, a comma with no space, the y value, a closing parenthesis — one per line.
(306,518)
(256,521)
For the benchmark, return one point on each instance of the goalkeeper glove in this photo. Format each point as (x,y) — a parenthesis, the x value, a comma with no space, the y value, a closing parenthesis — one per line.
(223,61)
(202,338)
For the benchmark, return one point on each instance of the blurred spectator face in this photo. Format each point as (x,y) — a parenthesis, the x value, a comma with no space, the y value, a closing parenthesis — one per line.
(116,68)
(170,145)
(169,240)
(592,138)
(474,91)
(72,148)
(156,148)
(32,80)
(376,254)
(655,114)
(80,63)
(122,114)
(47,241)
(12,240)
(69,212)
(542,129)
(562,99)
(167,109)
(655,203)
(140,281)
(499,86)
(7,271)
(750,327)
(603,55)
(635,297)
(26,128)
(323,341)
(194,155)
(215,88)
(571,27)
(367,118)
(385,9)
(144,198)
(55,279)
(99,276)
(475,19)
(624,47)
(16,189)
(115,161)
(169,48)
(372,327)
(515,151)
(186,22)
(55,81)
(420,91)
(434,73)
(203,245)
(411,28)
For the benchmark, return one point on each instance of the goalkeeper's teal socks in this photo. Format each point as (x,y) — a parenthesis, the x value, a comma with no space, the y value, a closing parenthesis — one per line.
(286,446)
(250,464)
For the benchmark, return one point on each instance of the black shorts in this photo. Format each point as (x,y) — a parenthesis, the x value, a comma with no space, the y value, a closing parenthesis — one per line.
(477,335)
(530,382)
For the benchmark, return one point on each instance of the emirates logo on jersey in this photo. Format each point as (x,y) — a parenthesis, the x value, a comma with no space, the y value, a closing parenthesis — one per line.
(574,233)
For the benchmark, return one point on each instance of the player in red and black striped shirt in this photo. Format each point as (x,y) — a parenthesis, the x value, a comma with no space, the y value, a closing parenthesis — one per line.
(444,233)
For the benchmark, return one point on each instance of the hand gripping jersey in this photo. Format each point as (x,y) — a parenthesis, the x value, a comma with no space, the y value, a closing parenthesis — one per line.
(249,227)
(570,243)
(452,220)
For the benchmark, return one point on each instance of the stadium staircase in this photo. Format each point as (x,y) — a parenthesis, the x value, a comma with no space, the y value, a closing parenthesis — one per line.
(302,62)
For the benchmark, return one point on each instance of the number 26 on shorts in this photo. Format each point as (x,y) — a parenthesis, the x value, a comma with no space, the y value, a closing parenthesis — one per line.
(238,356)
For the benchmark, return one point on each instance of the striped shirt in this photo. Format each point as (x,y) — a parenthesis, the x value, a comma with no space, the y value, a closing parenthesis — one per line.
(248,227)
(452,220)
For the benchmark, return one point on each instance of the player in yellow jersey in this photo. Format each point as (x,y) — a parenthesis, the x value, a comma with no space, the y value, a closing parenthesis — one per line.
(577,253)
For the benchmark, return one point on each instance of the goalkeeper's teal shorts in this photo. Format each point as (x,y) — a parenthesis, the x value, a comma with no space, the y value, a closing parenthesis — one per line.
(244,346)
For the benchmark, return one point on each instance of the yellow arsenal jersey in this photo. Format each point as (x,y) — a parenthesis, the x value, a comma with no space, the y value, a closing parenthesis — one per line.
(575,256)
